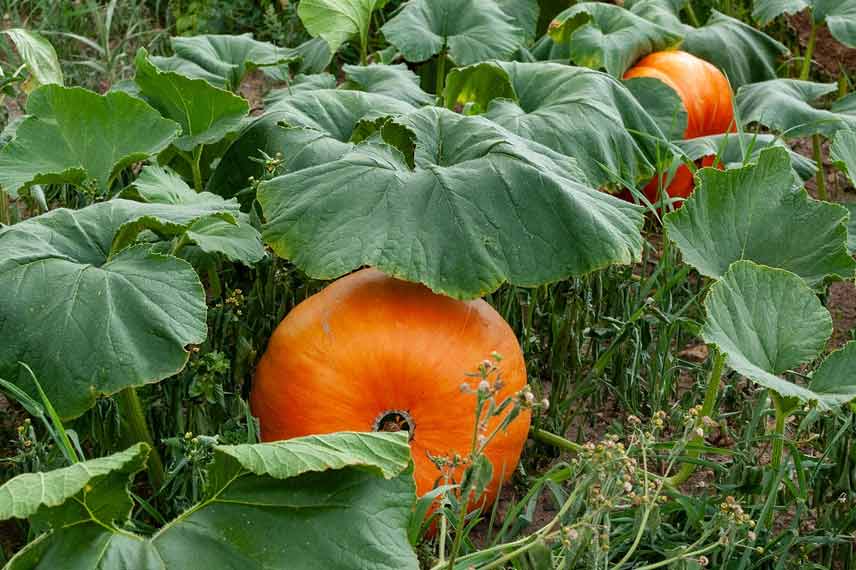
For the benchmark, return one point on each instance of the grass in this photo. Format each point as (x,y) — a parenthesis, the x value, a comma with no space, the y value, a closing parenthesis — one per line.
(615,353)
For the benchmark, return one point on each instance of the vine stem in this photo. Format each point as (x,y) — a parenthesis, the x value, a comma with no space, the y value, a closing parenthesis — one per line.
(5,216)
(710,395)
(779,433)
(441,76)
(821,174)
(135,429)
(197,170)
(691,15)
(809,51)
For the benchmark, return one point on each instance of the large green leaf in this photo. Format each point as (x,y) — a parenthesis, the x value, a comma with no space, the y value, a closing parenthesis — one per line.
(785,106)
(468,30)
(79,137)
(834,380)
(839,15)
(604,36)
(337,21)
(223,60)
(576,111)
(312,56)
(480,206)
(524,14)
(768,321)
(206,113)
(396,81)
(843,155)
(39,56)
(735,150)
(741,214)
(662,103)
(346,506)
(120,314)
(320,123)
(234,237)
(22,496)
(745,54)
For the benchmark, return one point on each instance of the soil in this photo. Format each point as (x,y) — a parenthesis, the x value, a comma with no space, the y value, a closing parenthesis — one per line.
(830,56)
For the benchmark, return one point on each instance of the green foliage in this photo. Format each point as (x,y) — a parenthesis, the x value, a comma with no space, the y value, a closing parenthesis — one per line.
(52,145)
(485,231)
(768,322)
(575,111)
(467,31)
(736,215)
(347,479)
(134,279)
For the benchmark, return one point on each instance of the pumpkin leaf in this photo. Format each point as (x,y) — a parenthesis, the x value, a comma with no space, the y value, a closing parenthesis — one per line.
(575,111)
(222,60)
(524,14)
(749,204)
(346,506)
(39,56)
(337,21)
(78,137)
(604,36)
(833,381)
(129,310)
(396,81)
(318,127)
(234,237)
(785,106)
(311,57)
(736,150)
(481,206)
(768,321)
(839,15)
(23,496)
(746,55)
(206,113)
(299,84)
(662,103)
(468,31)
(842,153)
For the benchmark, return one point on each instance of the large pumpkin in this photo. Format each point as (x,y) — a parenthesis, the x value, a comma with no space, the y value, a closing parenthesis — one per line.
(369,353)
(703,89)
(706,95)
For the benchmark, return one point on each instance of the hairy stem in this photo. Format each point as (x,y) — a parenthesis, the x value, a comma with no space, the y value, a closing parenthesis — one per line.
(710,395)
(809,51)
(441,76)
(135,429)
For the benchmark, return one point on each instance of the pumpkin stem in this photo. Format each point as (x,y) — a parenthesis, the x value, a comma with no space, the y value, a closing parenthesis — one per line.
(395,421)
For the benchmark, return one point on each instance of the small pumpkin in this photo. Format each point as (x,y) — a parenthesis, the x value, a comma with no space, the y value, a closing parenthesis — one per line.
(706,94)
(373,353)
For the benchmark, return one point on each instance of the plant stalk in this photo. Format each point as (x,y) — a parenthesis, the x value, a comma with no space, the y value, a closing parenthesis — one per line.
(555,440)
(710,395)
(5,213)
(441,76)
(779,433)
(197,170)
(135,429)
(821,174)
(691,15)
(809,51)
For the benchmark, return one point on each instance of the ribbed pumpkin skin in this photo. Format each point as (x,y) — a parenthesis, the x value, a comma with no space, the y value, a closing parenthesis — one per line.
(703,89)
(369,344)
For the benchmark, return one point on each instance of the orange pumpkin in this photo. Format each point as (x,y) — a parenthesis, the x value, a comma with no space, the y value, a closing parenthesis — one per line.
(369,353)
(703,89)
(681,186)
(706,95)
